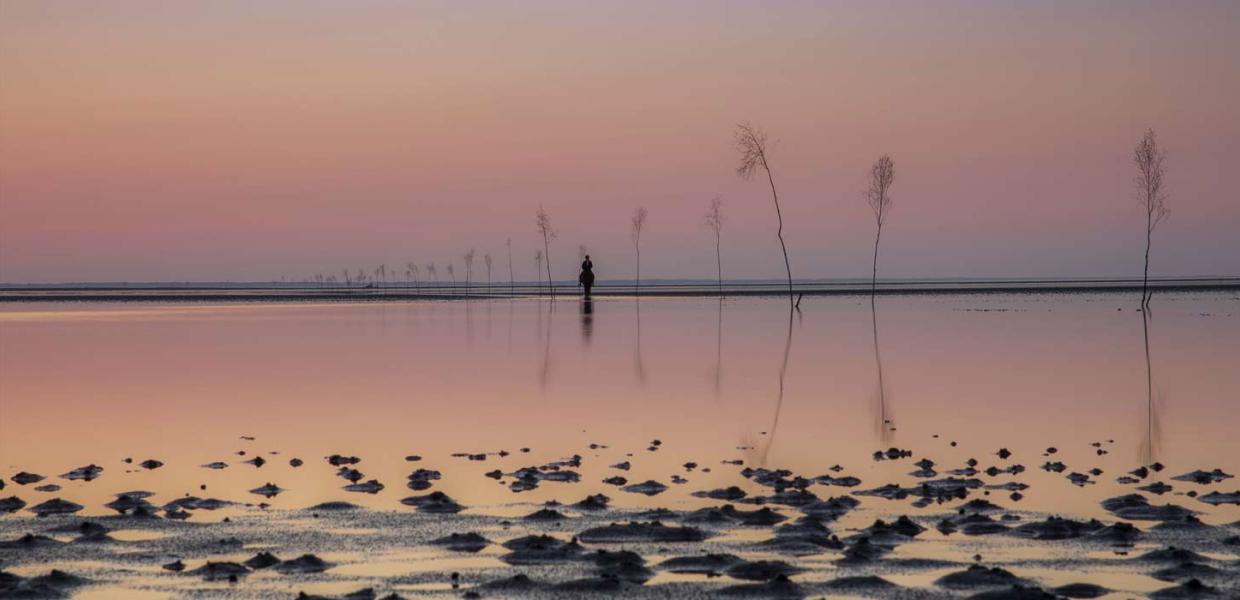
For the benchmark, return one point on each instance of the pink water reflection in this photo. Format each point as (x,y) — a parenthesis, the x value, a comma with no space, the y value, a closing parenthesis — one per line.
(83,383)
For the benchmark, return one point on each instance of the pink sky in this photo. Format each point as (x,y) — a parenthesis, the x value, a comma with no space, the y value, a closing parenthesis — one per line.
(244,141)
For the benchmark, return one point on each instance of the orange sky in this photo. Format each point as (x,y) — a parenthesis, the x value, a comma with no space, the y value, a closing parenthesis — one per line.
(229,140)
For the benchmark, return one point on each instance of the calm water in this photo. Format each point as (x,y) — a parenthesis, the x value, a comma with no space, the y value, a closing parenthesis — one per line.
(712,380)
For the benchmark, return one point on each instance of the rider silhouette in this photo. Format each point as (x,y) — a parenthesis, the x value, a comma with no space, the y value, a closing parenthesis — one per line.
(586,279)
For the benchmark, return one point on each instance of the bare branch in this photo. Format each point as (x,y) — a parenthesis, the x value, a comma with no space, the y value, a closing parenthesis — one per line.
(751,143)
(1149,158)
(882,175)
(639,221)
(714,215)
(714,220)
(878,196)
(543,222)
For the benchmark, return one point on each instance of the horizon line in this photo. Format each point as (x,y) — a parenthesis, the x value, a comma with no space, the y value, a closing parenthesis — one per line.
(653,281)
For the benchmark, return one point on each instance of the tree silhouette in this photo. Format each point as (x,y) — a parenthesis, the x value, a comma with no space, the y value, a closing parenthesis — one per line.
(714,220)
(543,221)
(751,142)
(469,268)
(538,260)
(639,222)
(1149,157)
(882,174)
(512,284)
(486,259)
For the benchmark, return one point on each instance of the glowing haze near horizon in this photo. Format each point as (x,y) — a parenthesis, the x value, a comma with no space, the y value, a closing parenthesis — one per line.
(247,141)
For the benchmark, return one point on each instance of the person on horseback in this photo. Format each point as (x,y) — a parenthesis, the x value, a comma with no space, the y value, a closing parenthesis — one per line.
(586,279)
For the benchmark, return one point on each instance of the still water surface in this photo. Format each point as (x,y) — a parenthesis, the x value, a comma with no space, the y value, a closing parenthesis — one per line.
(712,380)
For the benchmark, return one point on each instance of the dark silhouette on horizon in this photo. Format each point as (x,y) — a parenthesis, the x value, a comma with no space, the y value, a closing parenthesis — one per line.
(714,220)
(548,233)
(1148,157)
(878,196)
(586,279)
(639,222)
(751,142)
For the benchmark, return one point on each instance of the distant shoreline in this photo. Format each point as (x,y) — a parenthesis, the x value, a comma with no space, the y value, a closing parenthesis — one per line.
(402,292)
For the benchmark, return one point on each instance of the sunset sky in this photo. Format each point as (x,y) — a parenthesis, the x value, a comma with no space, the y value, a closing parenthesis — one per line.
(253,140)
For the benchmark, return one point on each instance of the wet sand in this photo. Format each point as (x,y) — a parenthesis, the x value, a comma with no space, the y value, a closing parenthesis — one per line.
(944,530)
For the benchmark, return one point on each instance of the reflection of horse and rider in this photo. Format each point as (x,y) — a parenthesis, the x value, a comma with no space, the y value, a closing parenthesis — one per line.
(586,279)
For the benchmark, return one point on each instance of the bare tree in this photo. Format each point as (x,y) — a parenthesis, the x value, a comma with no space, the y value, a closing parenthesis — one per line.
(413,272)
(1149,157)
(639,222)
(714,220)
(430,269)
(882,174)
(469,268)
(512,283)
(751,142)
(452,272)
(486,259)
(543,221)
(538,259)
(348,279)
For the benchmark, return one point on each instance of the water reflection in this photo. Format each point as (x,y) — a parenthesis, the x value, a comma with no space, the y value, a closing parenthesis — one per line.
(639,366)
(718,372)
(1151,442)
(489,301)
(587,321)
(545,373)
(1055,364)
(764,453)
(883,425)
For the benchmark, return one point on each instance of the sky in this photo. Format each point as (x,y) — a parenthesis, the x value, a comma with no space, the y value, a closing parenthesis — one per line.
(154,140)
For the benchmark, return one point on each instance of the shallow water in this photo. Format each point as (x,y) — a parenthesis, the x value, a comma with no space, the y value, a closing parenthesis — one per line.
(743,378)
